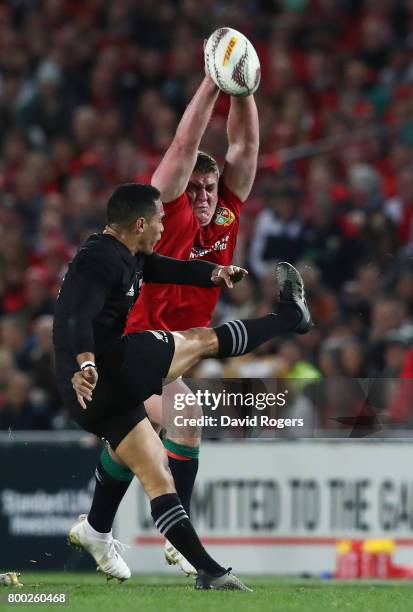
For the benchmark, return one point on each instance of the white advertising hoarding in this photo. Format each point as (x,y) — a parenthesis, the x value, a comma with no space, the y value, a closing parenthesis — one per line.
(279,507)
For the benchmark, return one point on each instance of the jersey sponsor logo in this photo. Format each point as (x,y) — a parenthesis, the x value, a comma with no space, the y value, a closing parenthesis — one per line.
(160,335)
(224,216)
(219,245)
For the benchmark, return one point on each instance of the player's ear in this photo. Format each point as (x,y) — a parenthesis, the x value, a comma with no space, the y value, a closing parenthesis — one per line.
(140,225)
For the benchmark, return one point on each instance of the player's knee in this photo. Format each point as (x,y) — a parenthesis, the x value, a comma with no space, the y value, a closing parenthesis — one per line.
(190,433)
(204,339)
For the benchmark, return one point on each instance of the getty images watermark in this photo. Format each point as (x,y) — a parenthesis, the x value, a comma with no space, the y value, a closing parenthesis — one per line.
(302,408)
(230,407)
(226,400)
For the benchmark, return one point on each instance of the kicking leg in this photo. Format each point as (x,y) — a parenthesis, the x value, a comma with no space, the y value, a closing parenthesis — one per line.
(236,338)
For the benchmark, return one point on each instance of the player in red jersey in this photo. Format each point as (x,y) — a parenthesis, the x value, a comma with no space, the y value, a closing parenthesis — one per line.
(201,208)
(201,221)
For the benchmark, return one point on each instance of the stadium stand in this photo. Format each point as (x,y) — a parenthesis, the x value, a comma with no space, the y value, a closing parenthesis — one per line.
(90,95)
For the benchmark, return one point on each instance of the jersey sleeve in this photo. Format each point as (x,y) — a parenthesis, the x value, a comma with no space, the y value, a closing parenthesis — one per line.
(229,199)
(160,269)
(93,282)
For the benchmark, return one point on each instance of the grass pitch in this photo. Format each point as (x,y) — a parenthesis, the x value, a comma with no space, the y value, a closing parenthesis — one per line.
(90,592)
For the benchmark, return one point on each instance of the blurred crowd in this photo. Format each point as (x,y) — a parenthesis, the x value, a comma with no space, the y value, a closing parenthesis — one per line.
(90,95)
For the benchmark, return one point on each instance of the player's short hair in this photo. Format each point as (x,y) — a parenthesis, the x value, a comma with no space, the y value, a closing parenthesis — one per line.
(130,201)
(205,164)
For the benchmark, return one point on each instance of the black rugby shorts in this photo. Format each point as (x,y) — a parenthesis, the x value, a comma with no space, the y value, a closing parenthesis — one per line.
(130,371)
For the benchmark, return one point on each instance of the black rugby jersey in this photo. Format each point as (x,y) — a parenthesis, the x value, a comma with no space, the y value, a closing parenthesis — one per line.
(101,285)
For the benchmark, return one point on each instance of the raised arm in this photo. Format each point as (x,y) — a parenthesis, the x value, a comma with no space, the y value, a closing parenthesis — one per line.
(172,175)
(243,143)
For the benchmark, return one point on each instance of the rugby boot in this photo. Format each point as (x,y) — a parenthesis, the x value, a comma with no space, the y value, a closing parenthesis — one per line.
(105,552)
(291,291)
(228,581)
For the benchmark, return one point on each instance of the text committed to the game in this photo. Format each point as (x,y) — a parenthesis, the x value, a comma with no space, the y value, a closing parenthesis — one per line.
(265,408)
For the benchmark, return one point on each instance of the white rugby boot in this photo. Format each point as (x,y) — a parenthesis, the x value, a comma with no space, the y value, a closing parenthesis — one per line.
(174,557)
(105,551)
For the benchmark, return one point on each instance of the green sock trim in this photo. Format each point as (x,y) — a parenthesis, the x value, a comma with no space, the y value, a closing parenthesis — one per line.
(192,452)
(114,469)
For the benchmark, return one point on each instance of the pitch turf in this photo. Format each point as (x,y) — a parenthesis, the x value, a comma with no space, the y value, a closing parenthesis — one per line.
(90,592)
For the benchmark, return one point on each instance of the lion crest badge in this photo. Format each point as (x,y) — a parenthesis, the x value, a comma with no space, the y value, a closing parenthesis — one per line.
(224,216)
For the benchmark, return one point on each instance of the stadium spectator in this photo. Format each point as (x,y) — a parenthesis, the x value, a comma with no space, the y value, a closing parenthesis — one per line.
(41,362)
(278,232)
(19,408)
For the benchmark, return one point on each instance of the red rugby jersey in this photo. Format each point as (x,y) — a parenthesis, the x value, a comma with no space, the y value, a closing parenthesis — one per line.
(179,307)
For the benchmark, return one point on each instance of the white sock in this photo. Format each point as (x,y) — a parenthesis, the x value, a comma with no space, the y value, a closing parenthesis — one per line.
(106,537)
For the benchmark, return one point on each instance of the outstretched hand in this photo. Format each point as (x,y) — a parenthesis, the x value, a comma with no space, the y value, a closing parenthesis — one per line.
(84,382)
(226,276)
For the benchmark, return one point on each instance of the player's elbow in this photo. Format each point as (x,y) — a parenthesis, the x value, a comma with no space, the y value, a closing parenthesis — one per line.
(243,150)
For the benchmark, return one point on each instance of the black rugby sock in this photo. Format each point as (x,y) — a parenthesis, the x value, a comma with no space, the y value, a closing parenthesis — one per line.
(112,482)
(184,474)
(173,523)
(243,336)
(183,463)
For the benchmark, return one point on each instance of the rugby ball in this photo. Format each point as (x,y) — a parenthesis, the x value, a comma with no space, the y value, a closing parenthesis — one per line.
(232,62)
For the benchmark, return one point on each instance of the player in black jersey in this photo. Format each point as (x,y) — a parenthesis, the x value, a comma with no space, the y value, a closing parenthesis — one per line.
(104,376)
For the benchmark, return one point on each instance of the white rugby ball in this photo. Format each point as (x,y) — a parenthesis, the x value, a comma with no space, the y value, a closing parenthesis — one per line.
(232,62)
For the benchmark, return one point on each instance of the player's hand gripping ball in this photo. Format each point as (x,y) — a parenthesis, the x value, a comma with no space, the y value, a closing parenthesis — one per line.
(232,62)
